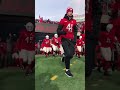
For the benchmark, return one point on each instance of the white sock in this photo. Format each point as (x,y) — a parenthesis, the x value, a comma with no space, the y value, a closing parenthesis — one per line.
(67,69)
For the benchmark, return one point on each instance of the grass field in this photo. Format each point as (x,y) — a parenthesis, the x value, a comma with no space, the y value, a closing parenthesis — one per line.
(99,82)
(14,79)
(50,75)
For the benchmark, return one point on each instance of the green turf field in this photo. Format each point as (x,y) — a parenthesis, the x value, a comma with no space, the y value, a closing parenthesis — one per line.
(15,79)
(49,74)
(99,82)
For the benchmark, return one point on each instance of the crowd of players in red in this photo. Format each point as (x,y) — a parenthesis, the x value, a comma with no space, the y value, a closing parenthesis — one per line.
(53,46)
(108,48)
(21,52)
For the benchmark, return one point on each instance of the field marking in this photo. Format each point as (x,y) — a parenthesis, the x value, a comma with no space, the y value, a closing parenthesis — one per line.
(54,77)
(74,62)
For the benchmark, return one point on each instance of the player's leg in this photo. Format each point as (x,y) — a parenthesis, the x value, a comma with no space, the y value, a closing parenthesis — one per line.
(54,49)
(21,59)
(31,57)
(106,64)
(79,51)
(50,50)
(16,59)
(45,50)
(24,57)
(61,50)
(68,51)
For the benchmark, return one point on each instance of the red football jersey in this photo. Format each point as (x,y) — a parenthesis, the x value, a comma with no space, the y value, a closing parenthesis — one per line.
(46,43)
(68,28)
(56,41)
(83,37)
(27,40)
(79,42)
(42,45)
(106,39)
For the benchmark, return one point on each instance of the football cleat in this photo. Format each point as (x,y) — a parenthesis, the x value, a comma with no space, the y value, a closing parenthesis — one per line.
(68,73)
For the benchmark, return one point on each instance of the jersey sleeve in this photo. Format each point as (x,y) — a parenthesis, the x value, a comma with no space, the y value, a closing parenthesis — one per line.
(60,27)
(61,22)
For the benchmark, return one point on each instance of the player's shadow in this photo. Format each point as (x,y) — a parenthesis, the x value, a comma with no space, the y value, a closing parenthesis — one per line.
(43,82)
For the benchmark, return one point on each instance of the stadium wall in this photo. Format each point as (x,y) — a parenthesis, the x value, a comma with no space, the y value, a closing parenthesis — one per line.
(46,27)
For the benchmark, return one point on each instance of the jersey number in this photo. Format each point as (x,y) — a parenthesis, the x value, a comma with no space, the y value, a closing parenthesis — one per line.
(69,27)
(29,39)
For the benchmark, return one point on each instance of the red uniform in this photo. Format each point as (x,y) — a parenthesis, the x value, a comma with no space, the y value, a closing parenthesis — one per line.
(79,42)
(46,43)
(42,45)
(68,28)
(56,41)
(106,39)
(83,37)
(26,40)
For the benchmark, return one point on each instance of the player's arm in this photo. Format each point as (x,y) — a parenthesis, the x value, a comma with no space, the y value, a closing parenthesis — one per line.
(59,29)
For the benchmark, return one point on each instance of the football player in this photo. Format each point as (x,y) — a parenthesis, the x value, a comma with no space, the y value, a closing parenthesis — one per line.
(67,30)
(55,43)
(79,46)
(106,41)
(47,46)
(27,47)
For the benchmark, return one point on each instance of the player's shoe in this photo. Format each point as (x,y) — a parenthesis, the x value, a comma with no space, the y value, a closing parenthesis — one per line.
(68,73)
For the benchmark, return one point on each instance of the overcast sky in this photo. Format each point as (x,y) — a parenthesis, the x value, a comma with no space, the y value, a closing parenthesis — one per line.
(56,9)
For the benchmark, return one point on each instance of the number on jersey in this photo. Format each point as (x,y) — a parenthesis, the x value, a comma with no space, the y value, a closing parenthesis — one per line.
(29,39)
(69,27)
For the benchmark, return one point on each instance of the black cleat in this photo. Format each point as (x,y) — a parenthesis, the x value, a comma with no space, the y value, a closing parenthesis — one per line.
(68,73)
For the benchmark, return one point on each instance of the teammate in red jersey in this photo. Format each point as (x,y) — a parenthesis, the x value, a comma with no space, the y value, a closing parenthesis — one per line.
(27,46)
(67,30)
(106,41)
(47,46)
(79,46)
(55,43)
